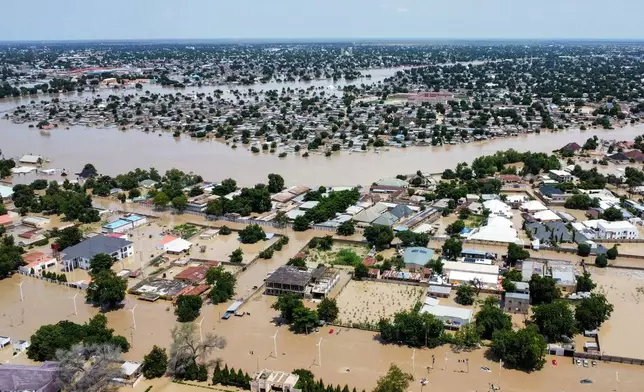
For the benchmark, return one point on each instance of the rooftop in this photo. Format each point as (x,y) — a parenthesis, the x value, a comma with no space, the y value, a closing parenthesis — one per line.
(287,274)
(93,246)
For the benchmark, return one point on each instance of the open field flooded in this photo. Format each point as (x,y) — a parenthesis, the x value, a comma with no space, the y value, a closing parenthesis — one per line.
(368,302)
(625,290)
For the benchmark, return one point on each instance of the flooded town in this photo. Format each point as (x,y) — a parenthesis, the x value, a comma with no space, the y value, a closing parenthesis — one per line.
(349,216)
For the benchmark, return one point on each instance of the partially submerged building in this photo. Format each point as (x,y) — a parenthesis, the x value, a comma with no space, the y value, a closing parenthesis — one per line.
(80,255)
(291,280)
(271,380)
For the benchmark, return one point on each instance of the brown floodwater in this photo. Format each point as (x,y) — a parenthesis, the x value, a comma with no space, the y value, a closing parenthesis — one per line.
(114,151)
(350,357)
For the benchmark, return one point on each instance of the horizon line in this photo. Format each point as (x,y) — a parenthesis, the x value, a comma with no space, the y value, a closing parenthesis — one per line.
(284,40)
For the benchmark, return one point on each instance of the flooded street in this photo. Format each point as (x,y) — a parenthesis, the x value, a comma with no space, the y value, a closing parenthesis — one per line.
(113,151)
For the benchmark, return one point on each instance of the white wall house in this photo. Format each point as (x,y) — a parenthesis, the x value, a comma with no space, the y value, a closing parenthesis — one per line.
(617,230)
(80,255)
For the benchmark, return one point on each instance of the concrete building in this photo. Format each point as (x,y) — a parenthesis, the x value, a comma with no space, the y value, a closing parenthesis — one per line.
(564,276)
(451,316)
(516,303)
(36,221)
(31,378)
(287,280)
(616,230)
(270,380)
(124,224)
(80,255)
(415,258)
(560,175)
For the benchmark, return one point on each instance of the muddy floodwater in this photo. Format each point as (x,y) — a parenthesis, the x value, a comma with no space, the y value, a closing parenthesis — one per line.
(348,356)
(113,151)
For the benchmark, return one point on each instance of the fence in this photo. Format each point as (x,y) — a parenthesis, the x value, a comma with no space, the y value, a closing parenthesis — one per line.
(609,358)
(67,284)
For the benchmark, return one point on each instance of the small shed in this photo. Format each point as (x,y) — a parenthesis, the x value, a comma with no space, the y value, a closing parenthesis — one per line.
(439,291)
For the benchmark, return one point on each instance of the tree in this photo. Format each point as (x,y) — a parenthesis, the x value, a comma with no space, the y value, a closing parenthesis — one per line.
(591,312)
(379,236)
(601,261)
(237,256)
(436,265)
(554,320)
(155,363)
(580,201)
(215,207)
(394,381)
(612,214)
(106,289)
(76,374)
(188,351)
(524,349)
(516,253)
(252,234)
(188,308)
(100,262)
(346,228)
(275,183)
(360,272)
(287,304)
(612,253)
(301,223)
(223,283)
(161,200)
(583,250)
(412,328)
(68,237)
(297,262)
(304,320)
(452,248)
(467,337)
(63,335)
(409,238)
(281,218)
(180,202)
(543,290)
(10,256)
(585,283)
(225,230)
(464,294)
(328,310)
(455,227)
(492,318)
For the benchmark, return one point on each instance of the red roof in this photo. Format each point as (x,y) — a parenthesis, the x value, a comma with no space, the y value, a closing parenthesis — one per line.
(34,256)
(369,261)
(5,220)
(194,290)
(510,178)
(167,239)
(192,274)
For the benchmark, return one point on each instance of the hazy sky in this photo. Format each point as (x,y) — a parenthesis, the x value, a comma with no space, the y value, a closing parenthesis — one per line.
(149,19)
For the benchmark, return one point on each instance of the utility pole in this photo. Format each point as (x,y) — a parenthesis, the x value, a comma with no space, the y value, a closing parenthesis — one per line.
(200,330)
(75,308)
(22,297)
(413,362)
(274,337)
(133,318)
(320,352)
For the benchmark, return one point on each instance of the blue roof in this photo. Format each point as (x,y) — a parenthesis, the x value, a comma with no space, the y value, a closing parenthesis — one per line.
(116,224)
(418,255)
(133,218)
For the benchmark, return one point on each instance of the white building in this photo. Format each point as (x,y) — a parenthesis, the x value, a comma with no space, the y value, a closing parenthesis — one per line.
(533,206)
(80,255)
(616,230)
(124,224)
(498,229)
(499,208)
(560,175)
